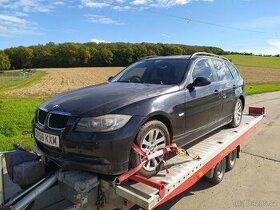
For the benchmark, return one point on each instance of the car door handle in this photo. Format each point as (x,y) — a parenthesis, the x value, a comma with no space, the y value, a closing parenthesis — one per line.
(216,92)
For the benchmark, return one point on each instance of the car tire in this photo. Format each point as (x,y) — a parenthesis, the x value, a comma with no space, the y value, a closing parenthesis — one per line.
(231,160)
(237,114)
(151,137)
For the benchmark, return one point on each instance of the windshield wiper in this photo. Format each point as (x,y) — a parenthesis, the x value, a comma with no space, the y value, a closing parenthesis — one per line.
(127,81)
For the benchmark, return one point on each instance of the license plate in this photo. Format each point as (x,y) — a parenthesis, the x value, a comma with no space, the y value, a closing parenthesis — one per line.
(46,138)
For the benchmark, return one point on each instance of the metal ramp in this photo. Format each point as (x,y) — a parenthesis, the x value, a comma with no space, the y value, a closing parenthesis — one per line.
(184,171)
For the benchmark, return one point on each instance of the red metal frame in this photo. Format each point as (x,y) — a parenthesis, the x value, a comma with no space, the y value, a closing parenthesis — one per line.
(195,177)
(161,186)
(131,174)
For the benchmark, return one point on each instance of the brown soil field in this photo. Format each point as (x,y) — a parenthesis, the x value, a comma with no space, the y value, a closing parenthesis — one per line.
(59,80)
(255,75)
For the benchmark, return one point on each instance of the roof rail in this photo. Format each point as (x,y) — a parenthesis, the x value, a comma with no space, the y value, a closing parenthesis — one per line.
(208,54)
(147,57)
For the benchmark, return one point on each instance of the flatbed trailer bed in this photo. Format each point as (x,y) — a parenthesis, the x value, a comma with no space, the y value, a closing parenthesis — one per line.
(183,170)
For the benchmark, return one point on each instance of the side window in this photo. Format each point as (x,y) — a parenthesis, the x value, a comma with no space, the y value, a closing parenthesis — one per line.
(222,71)
(232,69)
(203,69)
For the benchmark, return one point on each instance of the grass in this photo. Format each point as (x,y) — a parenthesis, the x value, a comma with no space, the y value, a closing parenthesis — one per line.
(261,88)
(13,81)
(15,117)
(255,61)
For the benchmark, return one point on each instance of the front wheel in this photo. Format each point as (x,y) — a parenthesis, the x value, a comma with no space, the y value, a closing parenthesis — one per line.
(151,137)
(237,114)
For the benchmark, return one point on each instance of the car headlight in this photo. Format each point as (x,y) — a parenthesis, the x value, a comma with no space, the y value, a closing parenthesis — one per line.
(103,123)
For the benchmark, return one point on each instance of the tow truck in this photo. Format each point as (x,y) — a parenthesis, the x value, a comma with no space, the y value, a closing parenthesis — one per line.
(209,158)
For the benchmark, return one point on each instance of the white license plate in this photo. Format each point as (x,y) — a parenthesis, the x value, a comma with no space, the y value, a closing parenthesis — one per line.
(46,138)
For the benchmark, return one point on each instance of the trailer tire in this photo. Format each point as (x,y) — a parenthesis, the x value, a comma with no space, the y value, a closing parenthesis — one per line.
(219,172)
(231,160)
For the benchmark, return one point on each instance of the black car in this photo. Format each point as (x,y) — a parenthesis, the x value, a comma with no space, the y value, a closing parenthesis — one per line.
(153,102)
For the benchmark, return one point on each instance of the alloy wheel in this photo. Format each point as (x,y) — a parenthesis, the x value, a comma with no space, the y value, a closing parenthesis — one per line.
(238,112)
(153,141)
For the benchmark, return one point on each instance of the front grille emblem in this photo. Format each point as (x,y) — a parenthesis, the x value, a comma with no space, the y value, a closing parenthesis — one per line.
(56,106)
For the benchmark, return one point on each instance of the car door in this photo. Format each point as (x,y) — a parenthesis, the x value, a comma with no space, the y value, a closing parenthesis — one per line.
(202,103)
(227,86)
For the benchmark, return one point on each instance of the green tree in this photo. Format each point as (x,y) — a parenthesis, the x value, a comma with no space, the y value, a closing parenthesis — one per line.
(25,56)
(4,61)
(172,50)
(105,56)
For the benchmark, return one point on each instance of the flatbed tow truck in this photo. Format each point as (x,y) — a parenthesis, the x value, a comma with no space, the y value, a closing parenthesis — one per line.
(210,158)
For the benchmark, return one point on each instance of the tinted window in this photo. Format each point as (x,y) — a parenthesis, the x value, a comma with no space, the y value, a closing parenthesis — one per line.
(222,71)
(233,70)
(202,69)
(157,71)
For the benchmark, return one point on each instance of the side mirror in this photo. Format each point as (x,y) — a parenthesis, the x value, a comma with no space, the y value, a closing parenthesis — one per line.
(199,82)
(110,78)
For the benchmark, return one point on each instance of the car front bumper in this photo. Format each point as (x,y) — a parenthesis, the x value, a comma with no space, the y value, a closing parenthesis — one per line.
(105,153)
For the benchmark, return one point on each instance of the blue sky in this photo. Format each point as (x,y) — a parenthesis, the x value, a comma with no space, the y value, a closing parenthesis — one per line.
(31,22)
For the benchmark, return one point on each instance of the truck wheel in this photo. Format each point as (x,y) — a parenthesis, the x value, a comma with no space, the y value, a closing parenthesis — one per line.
(237,114)
(231,160)
(219,172)
(151,137)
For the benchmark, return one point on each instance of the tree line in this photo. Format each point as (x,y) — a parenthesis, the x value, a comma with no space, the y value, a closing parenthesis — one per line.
(90,54)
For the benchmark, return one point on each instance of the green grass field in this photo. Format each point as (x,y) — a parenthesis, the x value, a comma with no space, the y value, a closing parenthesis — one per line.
(261,88)
(255,61)
(15,117)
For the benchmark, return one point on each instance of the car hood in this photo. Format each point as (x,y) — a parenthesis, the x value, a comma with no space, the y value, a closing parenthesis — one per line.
(104,98)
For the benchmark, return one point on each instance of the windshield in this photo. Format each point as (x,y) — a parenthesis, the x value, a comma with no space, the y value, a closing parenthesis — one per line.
(158,71)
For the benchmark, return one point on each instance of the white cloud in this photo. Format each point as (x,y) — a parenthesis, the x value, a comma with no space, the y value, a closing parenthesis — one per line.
(272,48)
(58,3)
(124,4)
(101,19)
(121,8)
(30,5)
(95,3)
(260,22)
(274,43)
(169,3)
(139,2)
(98,41)
(166,35)
(21,14)
(16,26)
(260,51)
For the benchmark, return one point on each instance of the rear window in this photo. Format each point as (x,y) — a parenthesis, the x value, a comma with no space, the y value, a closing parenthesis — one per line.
(233,70)
(222,71)
(156,71)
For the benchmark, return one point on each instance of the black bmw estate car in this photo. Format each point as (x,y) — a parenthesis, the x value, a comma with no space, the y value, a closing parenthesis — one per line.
(153,102)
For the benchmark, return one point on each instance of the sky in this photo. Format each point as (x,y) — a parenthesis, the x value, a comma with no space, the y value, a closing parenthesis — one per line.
(235,25)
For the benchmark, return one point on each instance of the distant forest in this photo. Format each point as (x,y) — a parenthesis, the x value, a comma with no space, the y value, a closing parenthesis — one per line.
(91,54)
